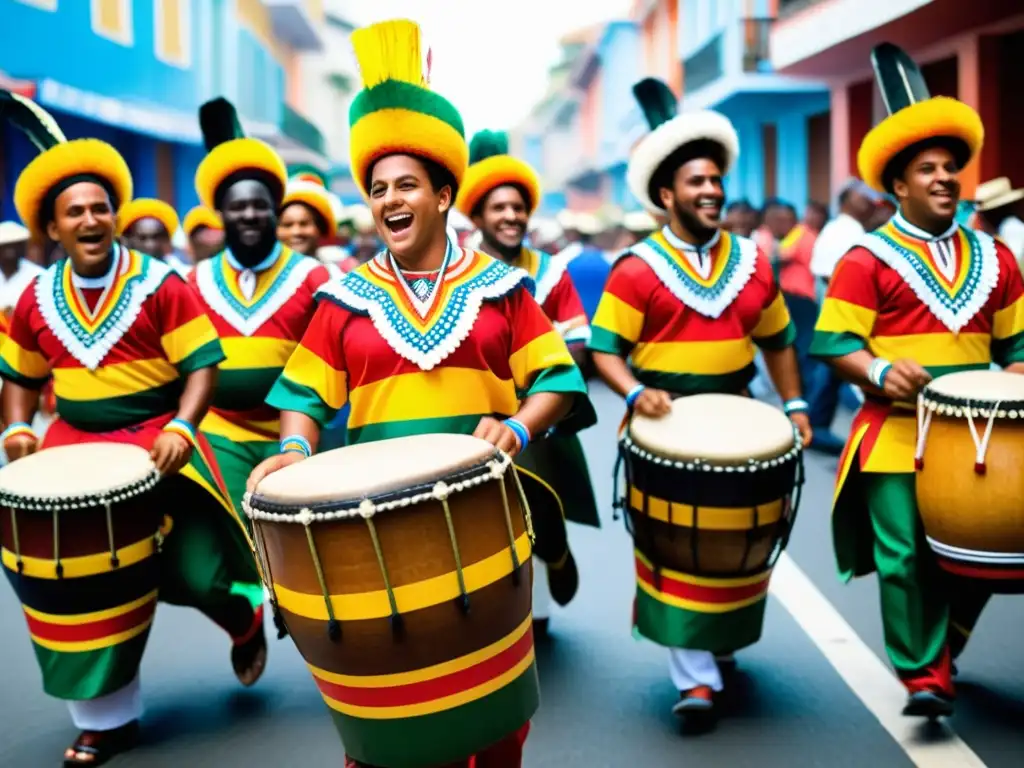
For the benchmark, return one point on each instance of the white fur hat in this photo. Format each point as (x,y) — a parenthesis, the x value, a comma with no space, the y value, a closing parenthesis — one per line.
(669,132)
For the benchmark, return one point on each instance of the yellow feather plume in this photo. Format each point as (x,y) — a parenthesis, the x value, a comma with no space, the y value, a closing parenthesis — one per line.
(389,50)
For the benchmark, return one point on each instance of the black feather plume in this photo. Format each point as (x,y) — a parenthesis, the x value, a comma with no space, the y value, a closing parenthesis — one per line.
(219,123)
(656,100)
(31,119)
(899,79)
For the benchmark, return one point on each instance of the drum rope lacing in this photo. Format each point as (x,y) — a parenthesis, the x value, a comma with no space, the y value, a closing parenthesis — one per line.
(927,408)
(367,509)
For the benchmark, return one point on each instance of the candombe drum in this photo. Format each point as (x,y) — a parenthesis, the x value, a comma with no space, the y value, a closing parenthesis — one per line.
(402,571)
(970,475)
(712,491)
(80,538)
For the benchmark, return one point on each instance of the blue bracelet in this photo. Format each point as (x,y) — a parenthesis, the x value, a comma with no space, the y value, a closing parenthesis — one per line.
(296,444)
(181,427)
(521,432)
(633,394)
(17,428)
(796,405)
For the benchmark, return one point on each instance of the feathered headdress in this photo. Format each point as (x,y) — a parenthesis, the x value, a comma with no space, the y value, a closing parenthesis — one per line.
(674,139)
(59,165)
(491,166)
(232,157)
(396,112)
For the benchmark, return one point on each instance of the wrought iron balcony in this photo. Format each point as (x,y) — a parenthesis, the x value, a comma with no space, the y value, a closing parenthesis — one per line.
(302,131)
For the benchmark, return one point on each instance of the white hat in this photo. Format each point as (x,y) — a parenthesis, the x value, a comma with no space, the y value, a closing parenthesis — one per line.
(331,254)
(546,230)
(996,193)
(640,221)
(588,224)
(12,232)
(566,219)
(362,218)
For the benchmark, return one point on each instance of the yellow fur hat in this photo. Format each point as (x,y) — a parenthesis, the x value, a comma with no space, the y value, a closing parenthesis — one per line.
(59,165)
(396,112)
(201,216)
(315,197)
(146,208)
(491,166)
(232,157)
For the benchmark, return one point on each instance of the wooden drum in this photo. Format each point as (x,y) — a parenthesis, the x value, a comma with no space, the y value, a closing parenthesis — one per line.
(710,488)
(970,483)
(402,570)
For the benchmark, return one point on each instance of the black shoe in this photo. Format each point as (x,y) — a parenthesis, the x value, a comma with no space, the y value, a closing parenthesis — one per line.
(98,747)
(564,580)
(930,704)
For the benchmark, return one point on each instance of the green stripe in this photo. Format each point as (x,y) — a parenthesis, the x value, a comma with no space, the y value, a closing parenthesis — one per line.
(1008,351)
(603,340)
(87,675)
(236,461)
(941,370)
(395,94)
(780,340)
(286,395)
(244,389)
(695,383)
(9,374)
(567,380)
(444,737)
(119,412)
(208,355)
(827,344)
(385,430)
(716,632)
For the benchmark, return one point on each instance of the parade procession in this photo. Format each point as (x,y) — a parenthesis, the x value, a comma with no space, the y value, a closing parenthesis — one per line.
(444,477)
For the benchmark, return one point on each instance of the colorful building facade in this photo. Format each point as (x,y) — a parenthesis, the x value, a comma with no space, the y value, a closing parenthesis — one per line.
(134,72)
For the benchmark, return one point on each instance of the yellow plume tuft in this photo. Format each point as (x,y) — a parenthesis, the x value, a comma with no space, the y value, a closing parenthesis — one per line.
(389,50)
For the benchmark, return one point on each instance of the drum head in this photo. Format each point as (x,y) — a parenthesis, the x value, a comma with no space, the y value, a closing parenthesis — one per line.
(372,469)
(978,387)
(81,471)
(724,429)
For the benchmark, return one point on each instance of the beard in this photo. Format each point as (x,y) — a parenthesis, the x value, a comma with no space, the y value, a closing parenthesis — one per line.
(250,255)
(691,222)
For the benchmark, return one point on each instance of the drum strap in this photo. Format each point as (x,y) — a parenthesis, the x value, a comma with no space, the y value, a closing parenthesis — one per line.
(924,421)
(981,445)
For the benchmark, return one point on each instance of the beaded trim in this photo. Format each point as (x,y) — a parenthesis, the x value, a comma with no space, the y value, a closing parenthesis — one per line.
(60,504)
(961,409)
(368,507)
(702,465)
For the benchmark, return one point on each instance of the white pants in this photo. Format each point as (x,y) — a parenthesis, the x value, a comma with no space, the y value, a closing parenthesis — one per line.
(108,712)
(690,669)
(541,591)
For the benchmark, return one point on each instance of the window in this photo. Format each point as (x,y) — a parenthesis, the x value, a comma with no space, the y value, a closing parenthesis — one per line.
(172,31)
(43,5)
(112,19)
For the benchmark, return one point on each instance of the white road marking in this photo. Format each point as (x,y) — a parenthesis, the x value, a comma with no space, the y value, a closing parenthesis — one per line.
(865,674)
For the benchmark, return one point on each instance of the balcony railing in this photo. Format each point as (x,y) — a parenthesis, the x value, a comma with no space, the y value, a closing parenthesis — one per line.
(705,66)
(756,45)
(299,129)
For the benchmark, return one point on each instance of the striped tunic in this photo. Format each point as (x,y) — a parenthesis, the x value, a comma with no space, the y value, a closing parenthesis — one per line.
(556,294)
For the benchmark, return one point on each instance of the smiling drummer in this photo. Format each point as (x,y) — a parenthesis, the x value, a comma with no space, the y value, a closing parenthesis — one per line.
(133,359)
(917,298)
(426,337)
(686,308)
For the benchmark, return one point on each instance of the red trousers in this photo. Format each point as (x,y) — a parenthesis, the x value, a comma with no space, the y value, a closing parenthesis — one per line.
(507,753)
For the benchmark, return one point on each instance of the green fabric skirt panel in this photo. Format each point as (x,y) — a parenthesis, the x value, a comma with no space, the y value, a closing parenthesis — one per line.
(237,460)
(559,461)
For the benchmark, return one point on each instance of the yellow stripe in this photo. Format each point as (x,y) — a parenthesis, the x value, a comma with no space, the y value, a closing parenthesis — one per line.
(81,566)
(31,365)
(215,424)
(545,351)
(187,338)
(437,705)
(88,618)
(110,381)
(696,605)
(256,352)
(697,357)
(702,581)
(427,673)
(773,320)
(618,317)
(409,597)
(94,645)
(439,393)
(838,316)
(307,369)
(710,518)
(935,348)
(893,451)
(193,474)
(1009,321)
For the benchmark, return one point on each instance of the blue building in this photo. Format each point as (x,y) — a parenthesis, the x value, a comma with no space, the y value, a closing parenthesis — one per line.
(134,72)
(782,121)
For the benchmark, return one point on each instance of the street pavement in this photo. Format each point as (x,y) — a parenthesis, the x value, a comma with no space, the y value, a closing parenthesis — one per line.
(606,696)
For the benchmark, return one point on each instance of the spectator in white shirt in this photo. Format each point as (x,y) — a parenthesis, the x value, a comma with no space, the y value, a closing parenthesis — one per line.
(16,271)
(997,205)
(856,204)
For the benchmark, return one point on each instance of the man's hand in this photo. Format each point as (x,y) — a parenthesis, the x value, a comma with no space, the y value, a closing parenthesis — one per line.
(170,453)
(20,446)
(905,379)
(653,403)
(498,434)
(271,465)
(802,422)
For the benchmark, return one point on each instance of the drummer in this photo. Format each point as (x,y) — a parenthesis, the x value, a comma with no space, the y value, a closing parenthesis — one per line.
(685,308)
(133,359)
(426,337)
(258,293)
(499,194)
(886,324)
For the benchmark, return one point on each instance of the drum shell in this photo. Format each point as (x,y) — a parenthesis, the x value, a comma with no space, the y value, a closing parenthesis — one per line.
(748,509)
(416,546)
(963,508)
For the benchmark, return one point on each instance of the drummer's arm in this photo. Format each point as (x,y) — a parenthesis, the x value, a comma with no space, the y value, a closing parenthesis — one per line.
(197,395)
(19,403)
(294,424)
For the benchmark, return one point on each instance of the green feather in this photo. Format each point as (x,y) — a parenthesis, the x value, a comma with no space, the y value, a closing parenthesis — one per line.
(487,144)
(657,101)
(219,123)
(899,79)
(31,119)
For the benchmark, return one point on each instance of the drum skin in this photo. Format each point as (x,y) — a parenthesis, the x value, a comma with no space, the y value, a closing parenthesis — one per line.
(449,678)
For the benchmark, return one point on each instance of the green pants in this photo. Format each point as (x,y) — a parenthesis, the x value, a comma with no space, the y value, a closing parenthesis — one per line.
(236,462)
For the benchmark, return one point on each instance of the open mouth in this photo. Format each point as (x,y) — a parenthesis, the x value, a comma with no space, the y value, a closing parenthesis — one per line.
(709,205)
(398,222)
(91,239)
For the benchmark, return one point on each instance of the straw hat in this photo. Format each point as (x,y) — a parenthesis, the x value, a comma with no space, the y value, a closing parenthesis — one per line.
(11,233)
(996,193)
